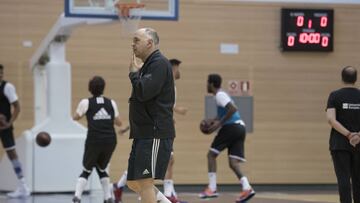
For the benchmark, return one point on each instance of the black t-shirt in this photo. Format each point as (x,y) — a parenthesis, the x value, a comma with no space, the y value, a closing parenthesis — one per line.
(5,106)
(346,102)
(100,118)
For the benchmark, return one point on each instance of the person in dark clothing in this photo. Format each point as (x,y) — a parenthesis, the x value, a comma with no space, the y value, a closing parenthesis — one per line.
(343,115)
(169,189)
(10,109)
(101,114)
(150,115)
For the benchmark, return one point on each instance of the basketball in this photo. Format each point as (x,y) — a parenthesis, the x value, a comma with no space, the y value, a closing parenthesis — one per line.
(204,126)
(43,139)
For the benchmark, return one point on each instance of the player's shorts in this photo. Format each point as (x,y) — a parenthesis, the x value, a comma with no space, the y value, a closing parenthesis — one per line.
(232,137)
(149,158)
(98,155)
(7,139)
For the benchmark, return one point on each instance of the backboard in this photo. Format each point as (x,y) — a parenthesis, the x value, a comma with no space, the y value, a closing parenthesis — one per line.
(154,9)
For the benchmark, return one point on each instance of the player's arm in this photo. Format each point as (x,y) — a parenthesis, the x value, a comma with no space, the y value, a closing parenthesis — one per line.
(10,93)
(81,109)
(230,110)
(15,111)
(150,84)
(331,118)
(180,110)
(124,130)
(117,118)
(76,116)
(117,121)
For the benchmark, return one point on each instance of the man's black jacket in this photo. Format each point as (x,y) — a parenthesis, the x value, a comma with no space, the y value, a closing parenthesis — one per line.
(152,99)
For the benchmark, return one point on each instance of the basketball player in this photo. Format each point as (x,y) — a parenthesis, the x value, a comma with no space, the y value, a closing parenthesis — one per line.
(231,135)
(101,114)
(150,115)
(10,108)
(169,189)
(343,115)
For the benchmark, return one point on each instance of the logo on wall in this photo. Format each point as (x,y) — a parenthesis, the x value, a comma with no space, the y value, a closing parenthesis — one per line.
(239,87)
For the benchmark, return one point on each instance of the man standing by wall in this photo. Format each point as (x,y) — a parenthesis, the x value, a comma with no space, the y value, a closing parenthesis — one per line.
(343,115)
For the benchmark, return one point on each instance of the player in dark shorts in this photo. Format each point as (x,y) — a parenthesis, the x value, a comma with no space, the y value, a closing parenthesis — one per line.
(101,115)
(231,136)
(10,108)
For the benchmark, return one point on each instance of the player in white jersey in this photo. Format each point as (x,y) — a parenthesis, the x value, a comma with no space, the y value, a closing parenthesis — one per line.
(231,136)
(10,109)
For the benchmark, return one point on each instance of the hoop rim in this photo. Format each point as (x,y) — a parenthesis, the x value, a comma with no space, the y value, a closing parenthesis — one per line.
(129,5)
(124,8)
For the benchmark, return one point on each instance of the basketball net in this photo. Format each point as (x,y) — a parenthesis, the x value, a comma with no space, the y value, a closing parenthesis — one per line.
(129,16)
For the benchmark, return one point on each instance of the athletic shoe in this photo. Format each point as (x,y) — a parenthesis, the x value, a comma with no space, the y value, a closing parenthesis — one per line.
(245,195)
(208,193)
(110,200)
(173,199)
(117,193)
(76,200)
(20,192)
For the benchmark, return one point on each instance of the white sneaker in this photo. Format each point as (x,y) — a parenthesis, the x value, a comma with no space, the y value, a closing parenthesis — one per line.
(21,191)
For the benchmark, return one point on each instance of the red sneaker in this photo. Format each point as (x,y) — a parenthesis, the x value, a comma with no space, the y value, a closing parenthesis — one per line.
(173,199)
(117,193)
(208,194)
(245,195)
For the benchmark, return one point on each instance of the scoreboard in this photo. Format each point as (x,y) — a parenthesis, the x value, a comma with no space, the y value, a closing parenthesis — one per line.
(307,29)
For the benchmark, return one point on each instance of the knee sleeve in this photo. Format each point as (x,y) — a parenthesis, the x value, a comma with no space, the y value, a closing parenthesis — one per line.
(102,173)
(85,174)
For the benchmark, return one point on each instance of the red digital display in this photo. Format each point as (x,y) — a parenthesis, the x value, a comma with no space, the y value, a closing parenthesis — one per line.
(307,30)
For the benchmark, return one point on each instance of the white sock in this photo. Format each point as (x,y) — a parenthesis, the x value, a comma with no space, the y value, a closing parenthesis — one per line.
(212,181)
(122,180)
(160,197)
(22,181)
(105,182)
(168,187)
(245,183)
(80,186)
(173,193)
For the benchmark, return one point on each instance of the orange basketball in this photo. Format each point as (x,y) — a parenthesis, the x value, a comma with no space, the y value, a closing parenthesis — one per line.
(43,139)
(205,125)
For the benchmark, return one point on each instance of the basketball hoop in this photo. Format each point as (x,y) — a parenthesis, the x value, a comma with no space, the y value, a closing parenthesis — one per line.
(129,16)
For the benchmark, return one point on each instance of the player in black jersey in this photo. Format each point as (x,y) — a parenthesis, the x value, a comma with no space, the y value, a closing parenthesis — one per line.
(10,108)
(101,114)
(343,115)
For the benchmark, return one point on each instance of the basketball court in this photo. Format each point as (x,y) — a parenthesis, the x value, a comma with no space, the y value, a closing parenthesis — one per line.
(328,195)
(53,102)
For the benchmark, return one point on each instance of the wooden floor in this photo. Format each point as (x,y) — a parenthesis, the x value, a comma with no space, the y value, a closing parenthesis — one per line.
(293,196)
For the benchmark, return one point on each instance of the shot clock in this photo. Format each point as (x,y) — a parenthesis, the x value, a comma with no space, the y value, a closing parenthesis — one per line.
(307,29)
